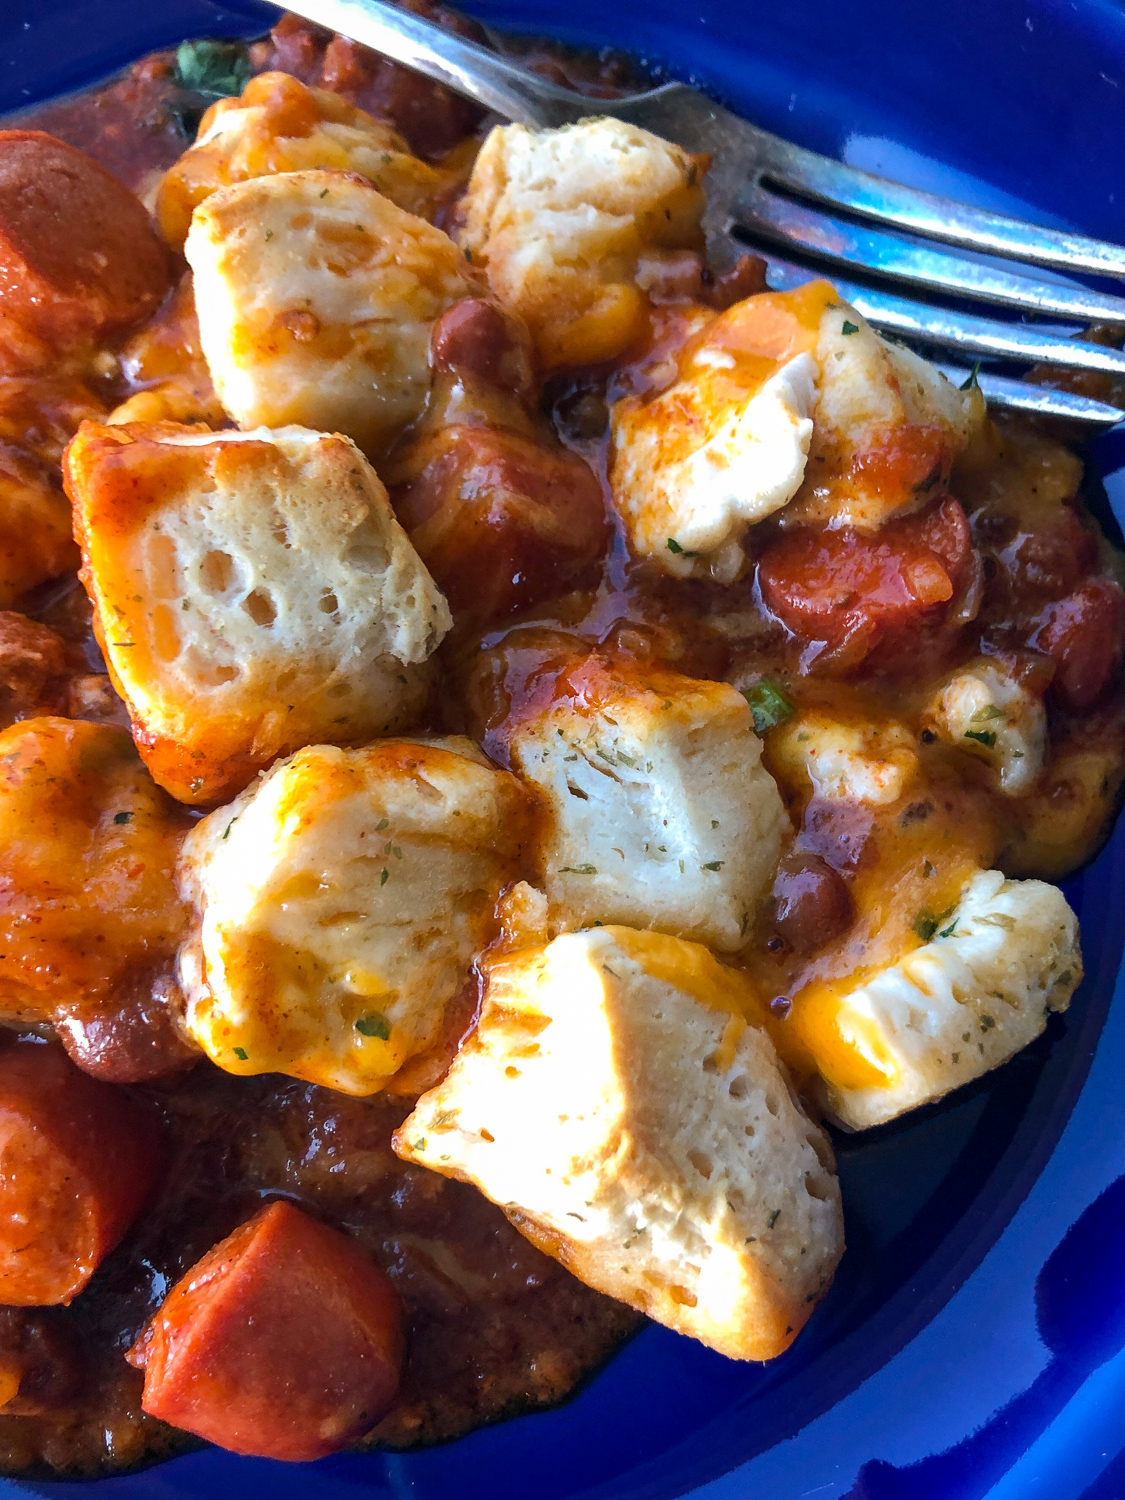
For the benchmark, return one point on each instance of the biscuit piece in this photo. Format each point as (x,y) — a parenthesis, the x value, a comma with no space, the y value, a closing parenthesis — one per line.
(787,400)
(252,592)
(661,811)
(984,711)
(79,258)
(279,125)
(725,444)
(962,1003)
(886,428)
(862,761)
(88,846)
(316,296)
(614,1102)
(560,219)
(341,900)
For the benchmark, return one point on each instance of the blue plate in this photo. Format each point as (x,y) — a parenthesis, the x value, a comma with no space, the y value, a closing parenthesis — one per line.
(974,1341)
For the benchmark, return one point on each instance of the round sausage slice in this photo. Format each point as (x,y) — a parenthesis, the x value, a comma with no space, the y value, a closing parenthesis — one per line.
(77,1160)
(1085,635)
(284,1341)
(79,256)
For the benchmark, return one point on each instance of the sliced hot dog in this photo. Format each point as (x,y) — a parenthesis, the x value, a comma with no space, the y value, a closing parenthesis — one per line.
(284,1341)
(77,1160)
(1085,634)
(884,595)
(79,256)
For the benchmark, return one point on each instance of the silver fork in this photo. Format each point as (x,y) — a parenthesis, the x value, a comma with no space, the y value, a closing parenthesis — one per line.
(761,190)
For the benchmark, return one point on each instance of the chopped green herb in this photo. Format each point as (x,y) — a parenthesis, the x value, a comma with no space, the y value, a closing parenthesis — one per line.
(948,931)
(774,1217)
(989,711)
(986,737)
(227,829)
(214,69)
(384,877)
(674,546)
(715,864)
(972,384)
(987,1023)
(849,328)
(381,824)
(578,870)
(768,705)
(240,1053)
(374,1024)
(123,817)
(925,924)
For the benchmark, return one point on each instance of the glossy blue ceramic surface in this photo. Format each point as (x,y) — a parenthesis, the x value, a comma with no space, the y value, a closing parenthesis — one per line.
(974,1342)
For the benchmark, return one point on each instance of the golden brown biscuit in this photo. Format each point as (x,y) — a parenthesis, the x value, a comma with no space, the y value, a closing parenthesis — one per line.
(252,592)
(280,125)
(341,900)
(616,1103)
(561,220)
(316,297)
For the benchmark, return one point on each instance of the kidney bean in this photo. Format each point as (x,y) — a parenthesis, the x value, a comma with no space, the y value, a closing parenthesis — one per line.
(811,903)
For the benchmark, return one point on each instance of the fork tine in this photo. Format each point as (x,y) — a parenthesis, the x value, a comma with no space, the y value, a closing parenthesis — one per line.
(935,217)
(759,212)
(998,390)
(1040,400)
(986,337)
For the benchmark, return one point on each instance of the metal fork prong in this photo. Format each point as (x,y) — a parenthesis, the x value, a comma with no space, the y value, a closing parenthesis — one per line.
(1039,400)
(932,216)
(981,337)
(987,338)
(763,214)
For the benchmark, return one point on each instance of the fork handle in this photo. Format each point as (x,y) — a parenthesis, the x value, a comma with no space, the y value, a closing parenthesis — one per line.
(464,66)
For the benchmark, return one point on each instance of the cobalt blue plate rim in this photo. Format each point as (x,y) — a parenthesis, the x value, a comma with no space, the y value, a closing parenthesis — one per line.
(974,1343)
